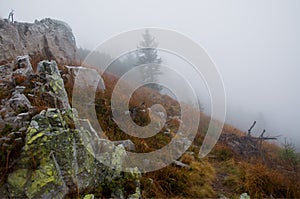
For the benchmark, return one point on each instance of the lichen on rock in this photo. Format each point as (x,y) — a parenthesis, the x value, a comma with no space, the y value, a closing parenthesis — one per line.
(56,91)
(60,162)
(56,159)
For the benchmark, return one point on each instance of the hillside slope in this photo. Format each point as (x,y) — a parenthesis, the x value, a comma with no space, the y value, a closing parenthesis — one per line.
(44,155)
(239,163)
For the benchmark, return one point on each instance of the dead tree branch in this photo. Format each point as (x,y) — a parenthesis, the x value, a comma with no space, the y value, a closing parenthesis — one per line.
(249,130)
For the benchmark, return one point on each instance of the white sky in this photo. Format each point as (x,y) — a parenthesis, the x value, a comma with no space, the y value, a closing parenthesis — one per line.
(255,44)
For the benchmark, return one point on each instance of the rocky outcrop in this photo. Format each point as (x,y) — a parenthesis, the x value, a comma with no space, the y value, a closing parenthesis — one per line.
(55,161)
(45,155)
(46,39)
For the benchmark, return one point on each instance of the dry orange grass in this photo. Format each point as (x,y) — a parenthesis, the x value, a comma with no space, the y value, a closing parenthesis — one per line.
(257,179)
(262,181)
(173,182)
(231,129)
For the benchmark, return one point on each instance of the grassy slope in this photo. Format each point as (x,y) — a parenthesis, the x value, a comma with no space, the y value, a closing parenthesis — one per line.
(223,172)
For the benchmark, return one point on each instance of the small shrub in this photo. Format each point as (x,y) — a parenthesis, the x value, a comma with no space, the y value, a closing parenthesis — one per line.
(289,156)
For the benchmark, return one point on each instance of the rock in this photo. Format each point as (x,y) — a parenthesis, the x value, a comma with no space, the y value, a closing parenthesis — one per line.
(244,196)
(21,70)
(19,103)
(55,159)
(167,131)
(22,120)
(88,76)
(56,94)
(23,129)
(23,66)
(180,164)
(180,144)
(47,67)
(55,162)
(127,144)
(19,89)
(6,72)
(45,39)
(89,196)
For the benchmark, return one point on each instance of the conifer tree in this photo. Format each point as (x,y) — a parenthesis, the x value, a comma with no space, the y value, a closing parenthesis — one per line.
(147,54)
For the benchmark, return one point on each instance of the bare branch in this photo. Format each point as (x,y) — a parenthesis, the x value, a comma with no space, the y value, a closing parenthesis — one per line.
(249,130)
(262,134)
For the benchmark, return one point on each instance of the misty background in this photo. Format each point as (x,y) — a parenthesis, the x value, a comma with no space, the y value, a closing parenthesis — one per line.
(255,44)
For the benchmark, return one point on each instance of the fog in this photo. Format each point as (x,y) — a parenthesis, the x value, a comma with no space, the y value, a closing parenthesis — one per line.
(255,44)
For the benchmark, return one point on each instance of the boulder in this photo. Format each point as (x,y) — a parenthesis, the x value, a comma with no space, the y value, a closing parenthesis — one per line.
(56,162)
(44,39)
(55,159)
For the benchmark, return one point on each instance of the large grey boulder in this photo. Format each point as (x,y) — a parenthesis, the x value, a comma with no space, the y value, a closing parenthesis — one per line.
(57,161)
(45,39)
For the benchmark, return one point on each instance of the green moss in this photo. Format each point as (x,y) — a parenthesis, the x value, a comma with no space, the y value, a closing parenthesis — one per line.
(18,178)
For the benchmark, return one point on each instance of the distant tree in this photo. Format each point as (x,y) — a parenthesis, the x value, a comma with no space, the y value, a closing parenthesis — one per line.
(93,58)
(147,54)
(81,54)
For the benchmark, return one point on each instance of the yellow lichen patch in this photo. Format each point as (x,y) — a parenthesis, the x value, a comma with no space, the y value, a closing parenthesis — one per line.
(89,196)
(42,177)
(35,137)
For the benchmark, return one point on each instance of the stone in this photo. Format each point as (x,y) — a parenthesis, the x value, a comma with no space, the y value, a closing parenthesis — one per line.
(19,103)
(55,156)
(88,76)
(19,89)
(22,120)
(44,39)
(23,66)
(180,144)
(47,67)
(244,196)
(55,161)
(127,144)
(180,164)
(89,196)
(6,72)
(56,93)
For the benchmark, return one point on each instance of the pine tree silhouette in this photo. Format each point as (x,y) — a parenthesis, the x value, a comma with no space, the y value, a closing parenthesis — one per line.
(147,54)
